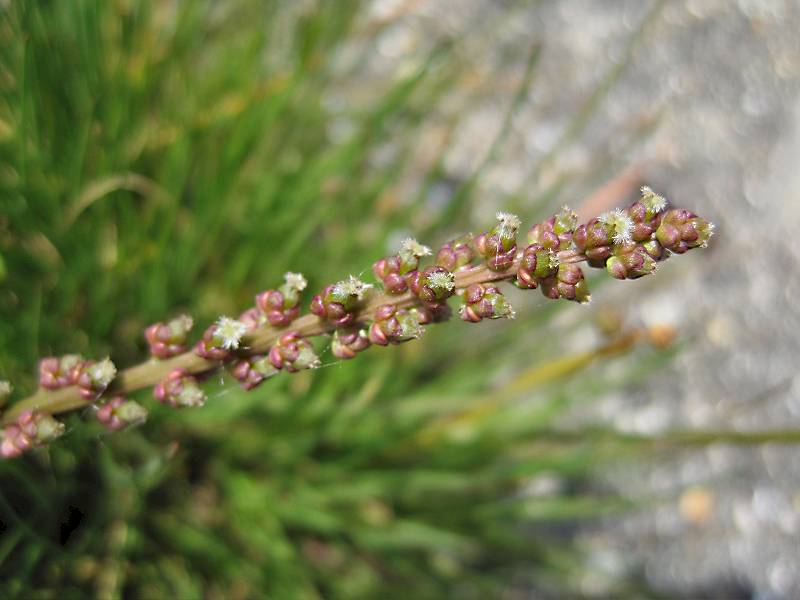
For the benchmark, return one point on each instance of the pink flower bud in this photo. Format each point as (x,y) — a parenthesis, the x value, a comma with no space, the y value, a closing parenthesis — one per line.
(119,413)
(55,373)
(168,339)
(179,389)
(31,429)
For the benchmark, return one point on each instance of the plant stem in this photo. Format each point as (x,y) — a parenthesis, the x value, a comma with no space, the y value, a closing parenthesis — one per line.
(153,371)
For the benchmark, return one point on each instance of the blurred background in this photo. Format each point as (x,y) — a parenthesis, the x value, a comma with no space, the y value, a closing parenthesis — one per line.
(159,156)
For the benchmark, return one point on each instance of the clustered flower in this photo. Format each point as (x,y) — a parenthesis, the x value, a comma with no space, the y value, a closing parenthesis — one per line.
(394,325)
(433,286)
(119,413)
(485,302)
(393,270)
(251,371)
(338,302)
(57,372)
(221,339)
(30,430)
(179,389)
(628,243)
(282,306)
(293,353)
(168,339)
(91,377)
(499,245)
(457,254)
(348,341)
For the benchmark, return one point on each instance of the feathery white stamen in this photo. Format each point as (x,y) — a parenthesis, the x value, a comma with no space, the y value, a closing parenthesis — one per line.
(620,224)
(229,332)
(411,249)
(441,280)
(553,260)
(103,372)
(655,203)
(295,281)
(5,389)
(352,286)
(509,222)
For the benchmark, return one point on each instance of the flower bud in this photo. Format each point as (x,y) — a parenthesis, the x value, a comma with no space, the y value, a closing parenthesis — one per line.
(433,286)
(55,372)
(338,302)
(568,283)
(293,353)
(484,302)
(119,413)
(456,254)
(630,261)
(394,325)
(221,339)
(168,339)
(282,306)
(537,263)
(499,245)
(253,319)
(556,232)
(179,389)
(31,429)
(349,341)
(94,377)
(252,370)
(388,271)
(681,230)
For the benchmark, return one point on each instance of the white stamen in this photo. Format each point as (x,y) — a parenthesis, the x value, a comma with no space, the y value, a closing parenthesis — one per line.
(620,224)
(509,222)
(295,281)
(655,203)
(441,280)
(411,249)
(102,373)
(229,332)
(5,389)
(352,286)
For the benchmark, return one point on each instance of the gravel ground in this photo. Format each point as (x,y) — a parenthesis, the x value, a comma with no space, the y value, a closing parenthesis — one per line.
(720,78)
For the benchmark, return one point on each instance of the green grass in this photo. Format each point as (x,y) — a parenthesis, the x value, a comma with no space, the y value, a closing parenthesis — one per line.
(158,158)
